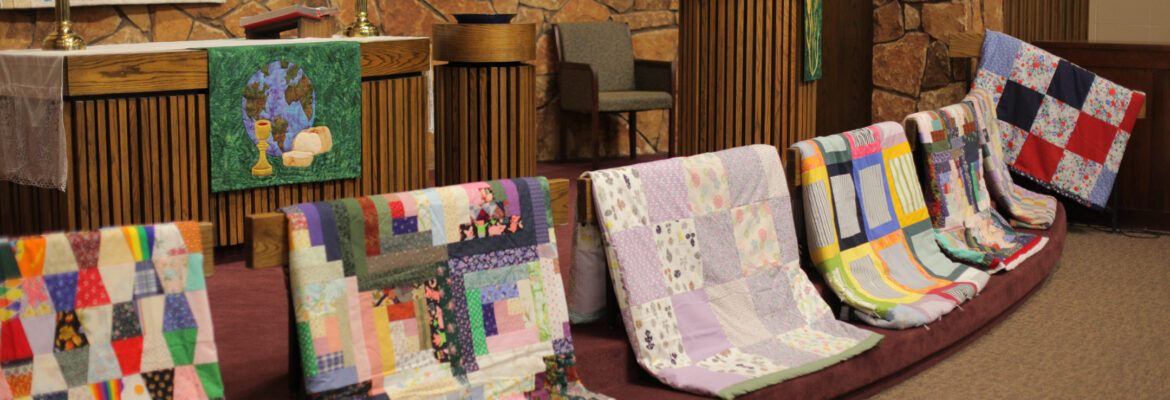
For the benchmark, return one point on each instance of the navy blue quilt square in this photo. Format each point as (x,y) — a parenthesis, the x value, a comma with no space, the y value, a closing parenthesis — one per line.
(1071,84)
(1018,105)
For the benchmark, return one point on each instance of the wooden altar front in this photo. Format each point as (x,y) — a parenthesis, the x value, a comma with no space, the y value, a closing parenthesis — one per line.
(137,128)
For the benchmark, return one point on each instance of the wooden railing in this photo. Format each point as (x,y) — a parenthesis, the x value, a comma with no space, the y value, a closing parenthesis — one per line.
(267,233)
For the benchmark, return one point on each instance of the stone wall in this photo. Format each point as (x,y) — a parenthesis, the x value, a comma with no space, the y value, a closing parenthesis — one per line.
(653,22)
(912,68)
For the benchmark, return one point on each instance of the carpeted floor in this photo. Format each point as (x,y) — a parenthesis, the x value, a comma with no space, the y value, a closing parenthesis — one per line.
(1096,330)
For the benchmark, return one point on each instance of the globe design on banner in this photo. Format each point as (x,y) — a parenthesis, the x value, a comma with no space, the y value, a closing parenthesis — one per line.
(281,93)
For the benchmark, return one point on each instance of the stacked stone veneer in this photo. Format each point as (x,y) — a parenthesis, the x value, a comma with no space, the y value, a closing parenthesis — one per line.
(653,22)
(912,68)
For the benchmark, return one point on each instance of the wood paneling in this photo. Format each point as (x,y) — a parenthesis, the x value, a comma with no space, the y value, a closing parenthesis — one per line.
(844,93)
(485,43)
(1035,20)
(144,159)
(484,122)
(740,78)
(1141,194)
(180,70)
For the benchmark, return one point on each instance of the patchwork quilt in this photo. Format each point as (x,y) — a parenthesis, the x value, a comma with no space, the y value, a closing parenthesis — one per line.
(451,292)
(869,232)
(703,257)
(1026,208)
(121,313)
(1062,126)
(967,226)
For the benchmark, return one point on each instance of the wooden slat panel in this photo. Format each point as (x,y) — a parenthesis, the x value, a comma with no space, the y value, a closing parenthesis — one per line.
(740,63)
(1036,20)
(144,160)
(485,123)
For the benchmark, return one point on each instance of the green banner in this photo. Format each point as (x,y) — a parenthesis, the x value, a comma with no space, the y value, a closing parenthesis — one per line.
(303,100)
(812,40)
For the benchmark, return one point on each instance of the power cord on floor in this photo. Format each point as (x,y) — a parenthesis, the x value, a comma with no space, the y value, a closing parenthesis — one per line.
(1142,233)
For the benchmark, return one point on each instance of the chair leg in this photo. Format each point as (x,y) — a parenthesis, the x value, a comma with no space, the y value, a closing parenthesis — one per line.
(670,142)
(633,135)
(564,136)
(595,131)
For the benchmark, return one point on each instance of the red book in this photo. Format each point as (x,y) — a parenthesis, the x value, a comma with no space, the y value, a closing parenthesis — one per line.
(286,13)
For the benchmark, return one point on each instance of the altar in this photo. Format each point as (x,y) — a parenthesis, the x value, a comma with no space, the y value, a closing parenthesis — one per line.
(137,138)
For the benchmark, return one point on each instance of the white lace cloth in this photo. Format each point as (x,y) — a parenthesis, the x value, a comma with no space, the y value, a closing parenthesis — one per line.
(32,133)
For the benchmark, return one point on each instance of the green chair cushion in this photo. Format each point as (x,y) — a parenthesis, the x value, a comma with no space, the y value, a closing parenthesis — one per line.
(632,100)
(604,45)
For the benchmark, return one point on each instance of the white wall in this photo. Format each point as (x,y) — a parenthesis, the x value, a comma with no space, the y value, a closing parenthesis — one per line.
(1140,21)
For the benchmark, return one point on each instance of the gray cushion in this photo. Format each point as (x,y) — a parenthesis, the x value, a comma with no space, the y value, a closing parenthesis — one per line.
(632,100)
(604,45)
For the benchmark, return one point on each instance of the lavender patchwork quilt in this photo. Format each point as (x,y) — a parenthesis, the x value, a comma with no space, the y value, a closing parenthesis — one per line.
(704,261)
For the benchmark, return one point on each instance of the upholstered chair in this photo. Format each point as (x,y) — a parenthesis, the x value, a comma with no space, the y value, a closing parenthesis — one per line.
(597,73)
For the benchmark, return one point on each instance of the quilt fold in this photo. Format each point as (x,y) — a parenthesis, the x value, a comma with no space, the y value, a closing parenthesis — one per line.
(120,313)
(704,263)
(450,292)
(1026,208)
(1062,126)
(967,226)
(869,232)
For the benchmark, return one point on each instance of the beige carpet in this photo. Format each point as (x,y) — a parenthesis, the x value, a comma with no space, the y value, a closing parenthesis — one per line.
(1099,329)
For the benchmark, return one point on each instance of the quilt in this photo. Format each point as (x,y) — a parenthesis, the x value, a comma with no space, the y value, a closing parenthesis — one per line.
(1062,126)
(120,313)
(284,113)
(967,226)
(703,257)
(587,279)
(1026,208)
(451,292)
(869,232)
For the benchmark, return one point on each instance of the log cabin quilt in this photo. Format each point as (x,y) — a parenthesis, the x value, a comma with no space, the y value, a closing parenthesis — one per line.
(967,226)
(869,232)
(450,292)
(1062,126)
(703,257)
(120,313)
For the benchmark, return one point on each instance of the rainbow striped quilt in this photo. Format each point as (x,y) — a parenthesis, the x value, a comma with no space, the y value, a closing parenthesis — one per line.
(1062,126)
(1026,208)
(450,292)
(703,256)
(967,226)
(869,232)
(120,313)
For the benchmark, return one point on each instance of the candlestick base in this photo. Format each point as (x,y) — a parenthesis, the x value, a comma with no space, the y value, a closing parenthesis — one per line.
(64,38)
(361,27)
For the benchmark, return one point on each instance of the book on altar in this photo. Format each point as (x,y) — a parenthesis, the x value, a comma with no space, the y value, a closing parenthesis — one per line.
(286,13)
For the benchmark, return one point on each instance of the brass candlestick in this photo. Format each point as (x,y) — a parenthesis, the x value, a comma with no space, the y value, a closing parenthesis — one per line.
(63,38)
(361,26)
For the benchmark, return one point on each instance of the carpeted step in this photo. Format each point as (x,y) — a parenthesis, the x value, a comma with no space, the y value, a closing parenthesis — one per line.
(604,357)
